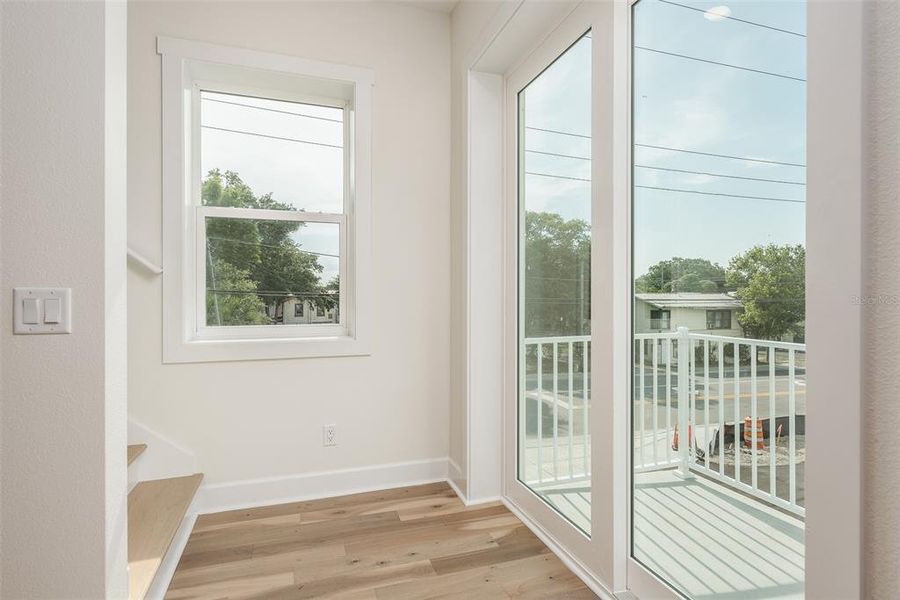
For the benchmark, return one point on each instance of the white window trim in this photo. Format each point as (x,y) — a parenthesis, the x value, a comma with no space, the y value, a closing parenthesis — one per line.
(185,336)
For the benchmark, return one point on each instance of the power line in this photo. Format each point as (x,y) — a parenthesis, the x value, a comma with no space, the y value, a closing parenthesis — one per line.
(689,172)
(729,17)
(276,293)
(274,137)
(557,154)
(670,148)
(274,110)
(721,64)
(746,158)
(663,189)
(262,245)
(719,175)
(578,135)
(557,176)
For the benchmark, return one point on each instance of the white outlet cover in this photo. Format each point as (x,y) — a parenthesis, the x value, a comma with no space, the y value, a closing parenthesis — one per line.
(329,435)
(64,295)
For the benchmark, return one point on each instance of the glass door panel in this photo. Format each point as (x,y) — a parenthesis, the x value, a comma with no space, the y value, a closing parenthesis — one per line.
(554,175)
(719,404)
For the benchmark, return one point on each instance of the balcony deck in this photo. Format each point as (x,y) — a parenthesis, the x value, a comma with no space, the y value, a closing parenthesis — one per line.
(705,537)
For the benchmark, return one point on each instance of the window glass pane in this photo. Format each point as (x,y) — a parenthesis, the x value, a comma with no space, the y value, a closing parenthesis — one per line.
(290,153)
(554,285)
(719,404)
(271,272)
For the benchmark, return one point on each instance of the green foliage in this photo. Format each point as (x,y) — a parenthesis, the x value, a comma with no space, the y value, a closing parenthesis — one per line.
(682,275)
(253,255)
(557,275)
(239,307)
(770,282)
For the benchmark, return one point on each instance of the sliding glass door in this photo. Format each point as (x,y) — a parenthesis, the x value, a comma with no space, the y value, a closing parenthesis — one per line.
(719,406)
(554,283)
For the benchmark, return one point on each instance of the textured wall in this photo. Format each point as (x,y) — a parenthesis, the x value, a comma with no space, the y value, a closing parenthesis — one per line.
(881,341)
(63,220)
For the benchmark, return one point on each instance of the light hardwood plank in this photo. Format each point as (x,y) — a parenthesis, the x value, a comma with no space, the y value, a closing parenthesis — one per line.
(155,511)
(416,542)
(135,450)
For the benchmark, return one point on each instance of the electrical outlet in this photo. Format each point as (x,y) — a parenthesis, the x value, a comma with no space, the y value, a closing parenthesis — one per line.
(329,435)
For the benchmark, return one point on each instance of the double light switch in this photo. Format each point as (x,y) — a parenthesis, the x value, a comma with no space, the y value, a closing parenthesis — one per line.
(42,310)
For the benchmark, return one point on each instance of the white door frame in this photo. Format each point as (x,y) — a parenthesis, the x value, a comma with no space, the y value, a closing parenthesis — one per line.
(592,555)
(834,227)
(833,294)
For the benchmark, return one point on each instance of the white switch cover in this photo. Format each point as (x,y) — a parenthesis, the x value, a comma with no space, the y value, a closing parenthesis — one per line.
(42,310)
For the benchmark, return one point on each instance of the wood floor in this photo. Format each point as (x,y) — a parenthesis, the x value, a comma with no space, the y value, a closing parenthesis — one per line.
(407,543)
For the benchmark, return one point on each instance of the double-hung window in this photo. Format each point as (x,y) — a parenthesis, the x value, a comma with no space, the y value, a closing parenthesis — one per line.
(718,319)
(660,319)
(266,204)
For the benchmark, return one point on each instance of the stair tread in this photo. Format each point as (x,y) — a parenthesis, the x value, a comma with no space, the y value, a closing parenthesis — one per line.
(155,511)
(135,450)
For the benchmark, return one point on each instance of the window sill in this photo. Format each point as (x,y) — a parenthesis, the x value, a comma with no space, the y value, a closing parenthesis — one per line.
(229,350)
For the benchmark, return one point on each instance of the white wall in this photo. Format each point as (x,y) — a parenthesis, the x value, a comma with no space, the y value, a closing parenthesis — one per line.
(881,317)
(246,420)
(63,218)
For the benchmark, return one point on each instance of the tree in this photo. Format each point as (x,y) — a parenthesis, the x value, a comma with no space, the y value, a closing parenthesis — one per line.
(770,282)
(241,305)
(252,255)
(557,275)
(682,275)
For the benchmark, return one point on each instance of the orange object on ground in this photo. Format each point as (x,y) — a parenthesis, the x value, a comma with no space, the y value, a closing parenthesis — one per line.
(675,437)
(748,434)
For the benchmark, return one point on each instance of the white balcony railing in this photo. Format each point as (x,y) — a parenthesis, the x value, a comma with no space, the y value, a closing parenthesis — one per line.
(554,429)
(742,402)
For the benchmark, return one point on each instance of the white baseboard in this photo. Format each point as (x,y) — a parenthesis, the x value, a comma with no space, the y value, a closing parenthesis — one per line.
(217,497)
(596,586)
(470,501)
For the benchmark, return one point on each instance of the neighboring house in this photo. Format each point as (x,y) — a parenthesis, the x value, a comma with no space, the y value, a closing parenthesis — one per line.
(700,312)
(297,311)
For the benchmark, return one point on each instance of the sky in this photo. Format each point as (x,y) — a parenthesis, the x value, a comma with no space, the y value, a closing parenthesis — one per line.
(754,112)
(308,176)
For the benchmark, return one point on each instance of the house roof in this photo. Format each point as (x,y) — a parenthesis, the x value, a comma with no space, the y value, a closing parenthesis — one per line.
(690,300)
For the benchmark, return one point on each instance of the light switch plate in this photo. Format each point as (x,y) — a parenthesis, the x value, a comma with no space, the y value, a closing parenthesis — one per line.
(41,295)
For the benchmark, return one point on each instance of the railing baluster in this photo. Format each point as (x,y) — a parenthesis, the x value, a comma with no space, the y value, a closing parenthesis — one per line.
(571,427)
(720,409)
(753,416)
(555,411)
(655,400)
(587,407)
(706,403)
(692,399)
(772,437)
(738,442)
(641,400)
(792,424)
(540,411)
(668,400)
(684,406)
(522,413)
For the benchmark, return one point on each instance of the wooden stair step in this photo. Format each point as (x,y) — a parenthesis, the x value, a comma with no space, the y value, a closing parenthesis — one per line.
(155,512)
(135,450)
